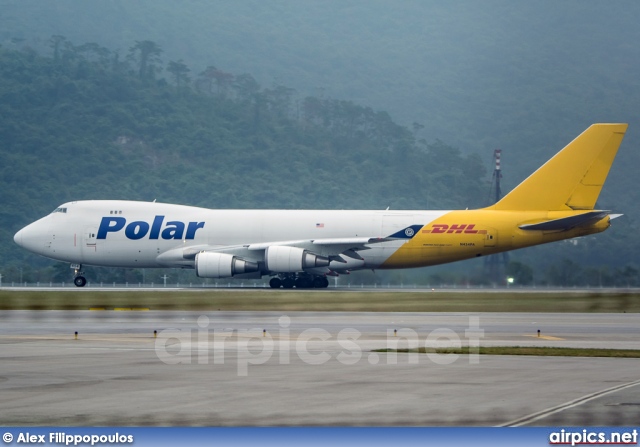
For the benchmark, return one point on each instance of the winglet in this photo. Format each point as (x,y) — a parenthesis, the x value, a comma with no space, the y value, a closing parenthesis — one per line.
(573,178)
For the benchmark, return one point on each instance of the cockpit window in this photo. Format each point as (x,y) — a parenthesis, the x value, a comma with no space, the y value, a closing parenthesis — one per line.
(60,210)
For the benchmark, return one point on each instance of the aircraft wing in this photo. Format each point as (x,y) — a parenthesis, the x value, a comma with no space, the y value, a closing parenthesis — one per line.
(332,248)
(328,246)
(335,246)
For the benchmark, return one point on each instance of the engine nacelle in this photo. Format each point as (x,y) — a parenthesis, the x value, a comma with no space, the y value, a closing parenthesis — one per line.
(222,265)
(292,259)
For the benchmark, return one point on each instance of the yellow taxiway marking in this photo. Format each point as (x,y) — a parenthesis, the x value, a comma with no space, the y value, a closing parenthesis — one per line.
(120,308)
(544,337)
(131,308)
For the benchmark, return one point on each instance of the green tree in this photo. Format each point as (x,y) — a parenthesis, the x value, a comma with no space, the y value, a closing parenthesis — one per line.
(246,87)
(180,72)
(207,77)
(147,53)
(224,81)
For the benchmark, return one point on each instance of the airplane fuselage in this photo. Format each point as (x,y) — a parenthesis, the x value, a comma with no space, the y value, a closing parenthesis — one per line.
(144,234)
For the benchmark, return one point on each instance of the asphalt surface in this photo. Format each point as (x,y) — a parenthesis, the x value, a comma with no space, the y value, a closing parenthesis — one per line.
(306,368)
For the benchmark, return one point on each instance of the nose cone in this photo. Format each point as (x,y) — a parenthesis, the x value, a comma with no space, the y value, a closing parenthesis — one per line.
(18,237)
(32,237)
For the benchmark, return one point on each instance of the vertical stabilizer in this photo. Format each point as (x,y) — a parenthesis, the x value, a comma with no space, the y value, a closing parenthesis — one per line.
(573,178)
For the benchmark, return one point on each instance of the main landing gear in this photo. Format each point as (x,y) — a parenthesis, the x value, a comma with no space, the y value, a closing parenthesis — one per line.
(78,280)
(299,281)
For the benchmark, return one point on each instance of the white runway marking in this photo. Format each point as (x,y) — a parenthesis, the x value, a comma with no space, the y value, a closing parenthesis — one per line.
(573,403)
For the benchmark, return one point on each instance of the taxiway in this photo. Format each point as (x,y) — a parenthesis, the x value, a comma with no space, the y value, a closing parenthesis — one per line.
(308,368)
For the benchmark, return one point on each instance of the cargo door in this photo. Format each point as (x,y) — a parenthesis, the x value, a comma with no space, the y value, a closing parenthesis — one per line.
(491,237)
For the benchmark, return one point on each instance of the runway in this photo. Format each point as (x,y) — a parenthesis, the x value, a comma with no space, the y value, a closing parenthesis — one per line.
(310,368)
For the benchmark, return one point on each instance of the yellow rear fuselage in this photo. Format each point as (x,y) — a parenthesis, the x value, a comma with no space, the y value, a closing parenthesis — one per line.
(473,233)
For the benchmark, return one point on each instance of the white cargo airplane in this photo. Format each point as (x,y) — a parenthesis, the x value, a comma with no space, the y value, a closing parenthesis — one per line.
(300,248)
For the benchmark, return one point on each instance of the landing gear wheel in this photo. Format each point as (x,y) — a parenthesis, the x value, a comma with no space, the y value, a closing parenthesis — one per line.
(288,283)
(275,283)
(80,281)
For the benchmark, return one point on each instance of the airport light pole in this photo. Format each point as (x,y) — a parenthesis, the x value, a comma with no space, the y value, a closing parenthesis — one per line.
(495,266)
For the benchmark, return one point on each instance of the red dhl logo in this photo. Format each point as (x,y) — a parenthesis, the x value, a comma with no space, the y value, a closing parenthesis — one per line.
(455,228)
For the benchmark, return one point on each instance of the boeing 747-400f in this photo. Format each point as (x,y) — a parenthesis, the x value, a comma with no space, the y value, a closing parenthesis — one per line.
(301,248)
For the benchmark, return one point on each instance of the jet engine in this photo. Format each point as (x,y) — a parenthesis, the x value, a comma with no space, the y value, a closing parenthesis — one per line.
(292,259)
(222,265)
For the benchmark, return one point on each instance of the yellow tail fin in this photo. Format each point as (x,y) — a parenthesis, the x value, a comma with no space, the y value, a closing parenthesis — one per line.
(573,178)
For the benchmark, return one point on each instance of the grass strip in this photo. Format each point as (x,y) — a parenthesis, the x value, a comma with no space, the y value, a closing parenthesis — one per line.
(542,351)
(327,300)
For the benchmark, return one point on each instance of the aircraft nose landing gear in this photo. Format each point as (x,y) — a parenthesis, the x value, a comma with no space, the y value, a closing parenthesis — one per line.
(79,280)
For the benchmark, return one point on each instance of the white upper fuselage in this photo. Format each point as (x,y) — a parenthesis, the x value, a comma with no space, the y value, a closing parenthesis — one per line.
(147,234)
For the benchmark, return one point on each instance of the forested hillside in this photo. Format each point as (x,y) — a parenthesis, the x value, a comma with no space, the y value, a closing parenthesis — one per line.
(84,122)
(525,77)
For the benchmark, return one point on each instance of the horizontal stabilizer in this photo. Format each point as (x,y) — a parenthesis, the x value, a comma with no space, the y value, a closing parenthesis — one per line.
(566,223)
